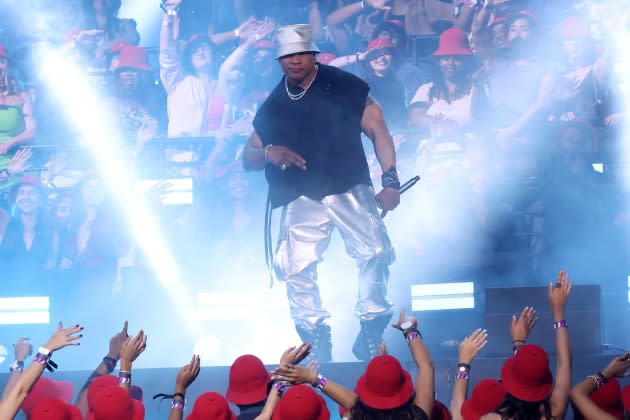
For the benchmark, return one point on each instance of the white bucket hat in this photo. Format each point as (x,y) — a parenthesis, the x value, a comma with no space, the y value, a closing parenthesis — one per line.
(293,39)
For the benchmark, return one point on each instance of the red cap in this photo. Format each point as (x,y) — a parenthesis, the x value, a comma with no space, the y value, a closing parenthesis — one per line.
(453,41)
(211,405)
(114,403)
(301,402)
(486,397)
(608,398)
(3,51)
(133,57)
(325,57)
(248,376)
(46,388)
(385,384)
(573,27)
(55,409)
(625,397)
(526,375)
(380,43)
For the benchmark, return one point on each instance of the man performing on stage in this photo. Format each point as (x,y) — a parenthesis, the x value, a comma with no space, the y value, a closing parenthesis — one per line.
(308,139)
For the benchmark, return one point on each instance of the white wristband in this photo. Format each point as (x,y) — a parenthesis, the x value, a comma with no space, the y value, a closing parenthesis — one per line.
(44,351)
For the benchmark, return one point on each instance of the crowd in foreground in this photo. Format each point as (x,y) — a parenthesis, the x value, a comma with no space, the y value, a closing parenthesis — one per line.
(295,389)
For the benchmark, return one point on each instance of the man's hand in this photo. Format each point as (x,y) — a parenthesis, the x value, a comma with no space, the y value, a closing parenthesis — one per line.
(17,164)
(284,158)
(64,337)
(187,374)
(388,199)
(22,349)
(521,327)
(116,342)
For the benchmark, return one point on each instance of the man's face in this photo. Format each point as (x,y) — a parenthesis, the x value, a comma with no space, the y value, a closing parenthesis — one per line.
(298,66)
(129,79)
(497,35)
(27,199)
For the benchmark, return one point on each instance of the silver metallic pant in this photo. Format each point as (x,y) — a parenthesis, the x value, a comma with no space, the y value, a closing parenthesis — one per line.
(305,230)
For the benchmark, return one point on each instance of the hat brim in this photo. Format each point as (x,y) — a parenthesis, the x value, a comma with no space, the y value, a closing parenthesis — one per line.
(297,48)
(137,67)
(246,398)
(469,411)
(525,393)
(382,402)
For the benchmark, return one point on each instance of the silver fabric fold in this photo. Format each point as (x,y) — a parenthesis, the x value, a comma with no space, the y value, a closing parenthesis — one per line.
(305,230)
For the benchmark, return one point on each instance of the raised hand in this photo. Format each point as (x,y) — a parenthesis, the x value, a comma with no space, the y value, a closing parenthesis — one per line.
(294,355)
(558,294)
(64,337)
(116,342)
(187,374)
(403,318)
(17,164)
(295,374)
(523,325)
(22,349)
(133,347)
(617,367)
(472,345)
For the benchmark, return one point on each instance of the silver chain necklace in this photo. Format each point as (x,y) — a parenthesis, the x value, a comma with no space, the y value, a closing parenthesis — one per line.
(298,96)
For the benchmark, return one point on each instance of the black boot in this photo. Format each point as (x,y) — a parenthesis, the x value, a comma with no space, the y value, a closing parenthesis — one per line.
(366,345)
(320,339)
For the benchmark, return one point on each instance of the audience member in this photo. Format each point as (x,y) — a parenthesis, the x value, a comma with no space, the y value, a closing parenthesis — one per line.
(210,405)
(186,376)
(17,121)
(468,350)
(248,386)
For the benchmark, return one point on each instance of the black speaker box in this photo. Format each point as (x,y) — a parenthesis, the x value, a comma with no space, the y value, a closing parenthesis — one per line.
(582,314)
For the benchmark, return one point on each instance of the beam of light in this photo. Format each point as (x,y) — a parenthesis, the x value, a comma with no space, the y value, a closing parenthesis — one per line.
(442,296)
(71,86)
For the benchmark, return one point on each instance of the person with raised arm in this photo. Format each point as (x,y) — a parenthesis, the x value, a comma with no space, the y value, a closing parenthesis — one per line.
(63,337)
(186,376)
(468,350)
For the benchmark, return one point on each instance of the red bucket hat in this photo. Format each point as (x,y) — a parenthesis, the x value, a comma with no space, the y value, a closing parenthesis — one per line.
(3,51)
(453,41)
(132,57)
(55,409)
(486,397)
(97,386)
(211,405)
(114,403)
(385,384)
(625,397)
(526,375)
(608,398)
(301,402)
(248,381)
(46,388)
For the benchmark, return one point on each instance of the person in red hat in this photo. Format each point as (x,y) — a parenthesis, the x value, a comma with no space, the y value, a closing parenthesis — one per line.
(46,388)
(301,402)
(377,66)
(468,350)
(55,409)
(487,397)
(599,396)
(28,244)
(248,386)
(529,384)
(115,403)
(444,106)
(17,120)
(13,398)
(211,405)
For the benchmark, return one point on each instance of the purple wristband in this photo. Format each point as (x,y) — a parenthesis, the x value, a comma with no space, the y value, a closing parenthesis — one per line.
(413,335)
(560,324)
(321,382)
(124,379)
(41,359)
(177,405)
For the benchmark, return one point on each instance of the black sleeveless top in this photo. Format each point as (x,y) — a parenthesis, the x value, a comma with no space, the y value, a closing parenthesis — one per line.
(324,127)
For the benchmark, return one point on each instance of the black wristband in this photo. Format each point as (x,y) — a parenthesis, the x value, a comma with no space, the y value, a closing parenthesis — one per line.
(389,179)
(179,394)
(110,362)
